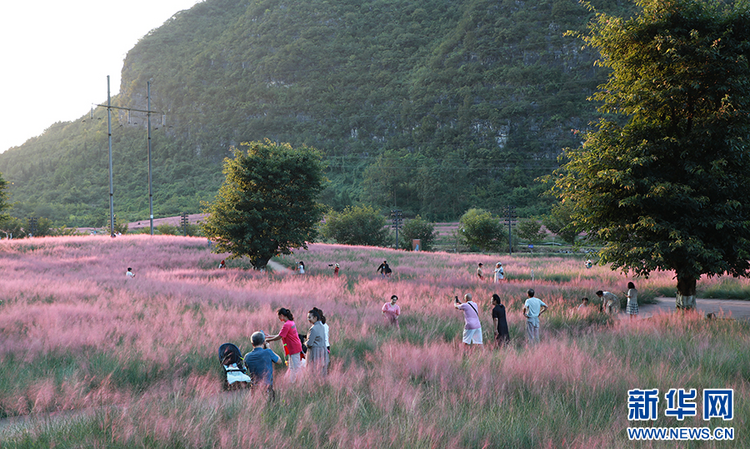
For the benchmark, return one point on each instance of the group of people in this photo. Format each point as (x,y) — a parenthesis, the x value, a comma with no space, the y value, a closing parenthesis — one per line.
(533,307)
(259,362)
(611,303)
(499,273)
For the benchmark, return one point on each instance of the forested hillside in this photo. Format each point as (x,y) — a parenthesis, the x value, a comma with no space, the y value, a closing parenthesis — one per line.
(432,105)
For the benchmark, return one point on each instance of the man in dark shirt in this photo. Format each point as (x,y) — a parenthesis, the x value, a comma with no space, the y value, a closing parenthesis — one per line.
(502,336)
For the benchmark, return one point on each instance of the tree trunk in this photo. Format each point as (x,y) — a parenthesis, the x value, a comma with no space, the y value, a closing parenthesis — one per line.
(685,293)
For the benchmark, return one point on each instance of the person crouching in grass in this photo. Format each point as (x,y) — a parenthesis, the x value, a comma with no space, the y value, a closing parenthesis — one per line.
(259,363)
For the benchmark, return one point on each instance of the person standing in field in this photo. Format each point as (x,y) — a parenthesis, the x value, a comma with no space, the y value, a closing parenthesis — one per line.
(480,273)
(472,326)
(391,311)
(533,308)
(336,270)
(259,363)
(325,328)
(499,272)
(290,337)
(632,308)
(222,264)
(317,353)
(130,273)
(301,267)
(502,335)
(610,302)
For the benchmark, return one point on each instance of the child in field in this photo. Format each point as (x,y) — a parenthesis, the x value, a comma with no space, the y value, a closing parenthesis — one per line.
(632,308)
(391,311)
(130,273)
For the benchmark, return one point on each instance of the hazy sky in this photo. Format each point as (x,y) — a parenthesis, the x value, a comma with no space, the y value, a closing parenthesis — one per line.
(55,56)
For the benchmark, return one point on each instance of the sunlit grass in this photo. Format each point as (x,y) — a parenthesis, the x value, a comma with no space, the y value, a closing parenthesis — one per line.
(132,363)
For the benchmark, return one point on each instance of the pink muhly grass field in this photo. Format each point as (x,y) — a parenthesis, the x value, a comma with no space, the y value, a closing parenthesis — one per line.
(133,361)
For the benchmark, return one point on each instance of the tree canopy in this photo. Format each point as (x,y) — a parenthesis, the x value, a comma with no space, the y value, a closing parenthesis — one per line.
(267,204)
(663,180)
(358,225)
(480,229)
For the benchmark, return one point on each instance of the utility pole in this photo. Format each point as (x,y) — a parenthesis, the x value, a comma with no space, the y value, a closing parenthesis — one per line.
(111,185)
(510,215)
(184,223)
(109,133)
(150,193)
(397,219)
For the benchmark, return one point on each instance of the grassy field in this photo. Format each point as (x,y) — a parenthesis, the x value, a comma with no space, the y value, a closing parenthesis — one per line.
(91,359)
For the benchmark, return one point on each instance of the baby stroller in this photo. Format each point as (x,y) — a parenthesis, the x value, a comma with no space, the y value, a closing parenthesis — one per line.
(235,373)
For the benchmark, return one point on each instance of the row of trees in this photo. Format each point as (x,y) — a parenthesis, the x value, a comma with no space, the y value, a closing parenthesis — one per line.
(661,182)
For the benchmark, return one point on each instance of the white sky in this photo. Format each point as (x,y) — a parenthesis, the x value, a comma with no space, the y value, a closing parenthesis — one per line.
(55,56)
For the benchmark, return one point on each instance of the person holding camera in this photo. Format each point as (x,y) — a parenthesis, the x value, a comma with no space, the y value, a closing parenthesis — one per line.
(259,363)
(473,327)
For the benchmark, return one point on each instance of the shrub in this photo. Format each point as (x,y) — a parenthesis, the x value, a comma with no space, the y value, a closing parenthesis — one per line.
(360,225)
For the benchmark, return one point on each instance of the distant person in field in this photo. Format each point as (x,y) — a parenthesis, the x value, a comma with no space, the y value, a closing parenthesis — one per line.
(290,337)
(391,311)
(472,326)
(502,335)
(610,302)
(384,269)
(584,304)
(336,270)
(259,363)
(301,267)
(480,272)
(533,308)
(222,264)
(317,353)
(632,308)
(588,263)
(130,273)
(499,272)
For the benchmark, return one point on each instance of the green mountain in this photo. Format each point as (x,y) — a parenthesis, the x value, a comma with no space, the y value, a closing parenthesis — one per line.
(433,106)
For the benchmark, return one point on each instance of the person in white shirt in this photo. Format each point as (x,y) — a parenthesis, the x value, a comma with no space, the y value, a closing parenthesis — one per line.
(532,309)
(130,273)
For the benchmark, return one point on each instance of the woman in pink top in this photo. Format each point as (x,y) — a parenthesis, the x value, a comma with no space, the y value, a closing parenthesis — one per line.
(289,336)
(391,311)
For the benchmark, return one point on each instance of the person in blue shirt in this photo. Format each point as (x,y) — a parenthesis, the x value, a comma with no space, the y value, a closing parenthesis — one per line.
(259,363)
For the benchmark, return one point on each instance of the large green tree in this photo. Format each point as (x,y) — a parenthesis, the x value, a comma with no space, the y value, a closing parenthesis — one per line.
(267,204)
(665,183)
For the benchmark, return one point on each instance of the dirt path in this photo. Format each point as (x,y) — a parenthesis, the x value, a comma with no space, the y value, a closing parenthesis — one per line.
(728,307)
(278,268)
